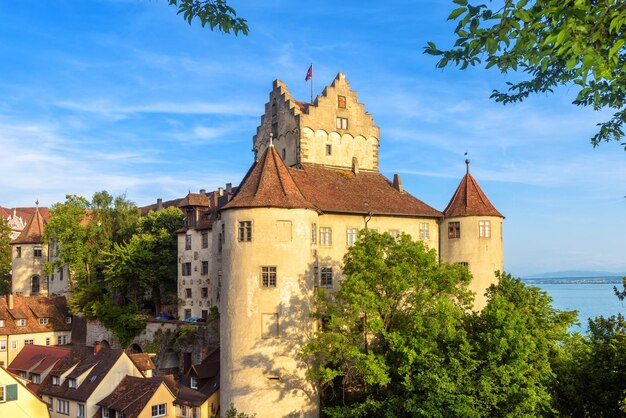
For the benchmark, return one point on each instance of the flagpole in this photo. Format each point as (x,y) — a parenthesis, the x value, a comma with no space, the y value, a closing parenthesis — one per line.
(311,83)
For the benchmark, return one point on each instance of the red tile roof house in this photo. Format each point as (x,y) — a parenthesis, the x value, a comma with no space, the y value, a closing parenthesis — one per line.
(76,389)
(137,397)
(35,362)
(32,320)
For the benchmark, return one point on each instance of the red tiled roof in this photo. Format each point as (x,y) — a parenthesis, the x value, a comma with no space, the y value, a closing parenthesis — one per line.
(33,231)
(268,183)
(100,365)
(183,394)
(142,361)
(132,395)
(470,200)
(38,358)
(32,308)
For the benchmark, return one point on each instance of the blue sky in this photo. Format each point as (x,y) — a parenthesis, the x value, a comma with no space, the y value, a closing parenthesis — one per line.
(124,96)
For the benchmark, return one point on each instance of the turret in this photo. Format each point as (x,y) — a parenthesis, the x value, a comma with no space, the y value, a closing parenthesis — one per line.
(28,257)
(471,234)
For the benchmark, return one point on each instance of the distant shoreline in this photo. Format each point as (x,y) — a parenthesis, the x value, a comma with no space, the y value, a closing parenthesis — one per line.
(574,280)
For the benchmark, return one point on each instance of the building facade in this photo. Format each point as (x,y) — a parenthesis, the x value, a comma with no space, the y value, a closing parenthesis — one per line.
(260,253)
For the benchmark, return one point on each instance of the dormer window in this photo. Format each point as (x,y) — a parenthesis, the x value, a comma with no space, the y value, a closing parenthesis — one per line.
(43,321)
(71,383)
(21,322)
(68,320)
(1,323)
(194,383)
(56,380)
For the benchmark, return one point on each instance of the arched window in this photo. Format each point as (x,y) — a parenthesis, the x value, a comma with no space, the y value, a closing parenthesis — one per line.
(34,285)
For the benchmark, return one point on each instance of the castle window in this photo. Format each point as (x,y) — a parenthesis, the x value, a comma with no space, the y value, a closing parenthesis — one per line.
(205,268)
(187,242)
(18,252)
(61,273)
(484,229)
(313,233)
(329,149)
(205,292)
(352,234)
(342,123)
(34,285)
(454,230)
(326,236)
(188,293)
(341,102)
(205,240)
(37,252)
(284,153)
(424,230)
(245,231)
(186,269)
(268,276)
(394,233)
(326,276)
(275,130)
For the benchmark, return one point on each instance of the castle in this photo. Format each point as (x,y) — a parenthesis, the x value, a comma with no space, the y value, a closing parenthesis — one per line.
(259,251)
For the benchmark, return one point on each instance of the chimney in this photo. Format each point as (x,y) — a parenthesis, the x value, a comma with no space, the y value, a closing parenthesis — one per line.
(397,183)
(96,347)
(355,165)
(202,191)
(10,300)
(220,191)
(229,188)
(159,203)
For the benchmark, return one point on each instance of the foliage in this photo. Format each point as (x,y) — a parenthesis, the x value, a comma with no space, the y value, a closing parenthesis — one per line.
(5,258)
(215,13)
(515,340)
(233,413)
(392,341)
(399,339)
(578,43)
(592,370)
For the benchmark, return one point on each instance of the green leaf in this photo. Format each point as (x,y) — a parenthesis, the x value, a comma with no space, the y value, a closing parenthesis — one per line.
(456,13)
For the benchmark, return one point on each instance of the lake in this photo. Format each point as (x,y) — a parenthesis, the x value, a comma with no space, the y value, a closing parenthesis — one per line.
(591,297)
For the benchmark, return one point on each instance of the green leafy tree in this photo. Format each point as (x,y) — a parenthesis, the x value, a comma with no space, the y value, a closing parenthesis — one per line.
(232,412)
(5,258)
(576,43)
(216,13)
(516,339)
(392,341)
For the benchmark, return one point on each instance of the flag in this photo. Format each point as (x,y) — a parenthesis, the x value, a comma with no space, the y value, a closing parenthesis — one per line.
(309,73)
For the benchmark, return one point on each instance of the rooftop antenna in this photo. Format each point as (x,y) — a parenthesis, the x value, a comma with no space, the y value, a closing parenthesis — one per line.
(467,161)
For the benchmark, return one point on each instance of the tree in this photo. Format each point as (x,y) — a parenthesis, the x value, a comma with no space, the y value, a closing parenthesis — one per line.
(516,339)
(5,258)
(392,340)
(215,13)
(577,43)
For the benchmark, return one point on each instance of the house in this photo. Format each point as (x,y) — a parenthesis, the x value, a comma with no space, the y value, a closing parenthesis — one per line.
(75,389)
(16,218)
(35,362)
(16,400)
(259,254)
(43,321)
(191,403)
(138,397)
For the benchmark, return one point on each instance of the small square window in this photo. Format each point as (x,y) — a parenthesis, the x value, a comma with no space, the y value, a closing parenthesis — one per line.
(21,322)
(186,269)
(329,149)
(342,123)
(68,320)
(159,410)
(193,382)
(3,345)
(454,230)
(352,234)
(1,323)
(205,268)
(341,102)
(43,321)
(326,277)
(188,293)
(484,229)
(62,340)
(424,233)
(245,231)
(13,344)
(326,236)
(205,292)
(268,276)
(37,252)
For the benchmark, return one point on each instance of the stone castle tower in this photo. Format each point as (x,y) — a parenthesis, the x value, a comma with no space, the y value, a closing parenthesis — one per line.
(28,257)
(471,234)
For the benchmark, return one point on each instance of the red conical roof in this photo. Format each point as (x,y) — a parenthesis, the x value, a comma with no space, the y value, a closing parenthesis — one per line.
(33,231)
(470,200)
(268,184)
